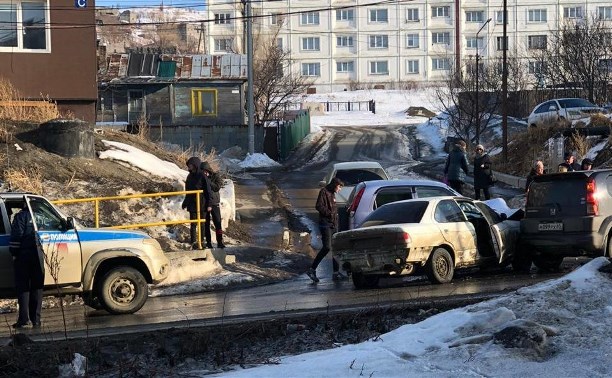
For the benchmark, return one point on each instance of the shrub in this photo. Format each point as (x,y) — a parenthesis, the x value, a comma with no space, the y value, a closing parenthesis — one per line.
(27,180)
(15,108)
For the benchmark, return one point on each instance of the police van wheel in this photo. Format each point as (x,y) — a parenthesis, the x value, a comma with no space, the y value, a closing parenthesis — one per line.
(123,290)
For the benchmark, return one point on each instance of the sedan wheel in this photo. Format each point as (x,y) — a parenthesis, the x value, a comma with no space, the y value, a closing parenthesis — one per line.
(440,266)
(364,281)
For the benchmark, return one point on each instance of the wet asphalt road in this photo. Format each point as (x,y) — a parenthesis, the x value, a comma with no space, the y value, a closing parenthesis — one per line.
(300,185)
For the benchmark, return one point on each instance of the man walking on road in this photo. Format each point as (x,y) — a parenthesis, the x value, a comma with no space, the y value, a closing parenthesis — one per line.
(328,224)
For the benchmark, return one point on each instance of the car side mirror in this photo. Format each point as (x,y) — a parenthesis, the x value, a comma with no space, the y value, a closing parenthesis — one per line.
(68,224)
(322,184)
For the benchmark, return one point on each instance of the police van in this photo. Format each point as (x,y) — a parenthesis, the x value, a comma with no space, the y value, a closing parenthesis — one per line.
(110,269)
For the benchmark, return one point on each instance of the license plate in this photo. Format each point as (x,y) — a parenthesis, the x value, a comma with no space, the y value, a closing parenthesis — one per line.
(550,227)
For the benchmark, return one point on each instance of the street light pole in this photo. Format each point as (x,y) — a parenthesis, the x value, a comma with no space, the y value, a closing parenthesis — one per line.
(250,100)
(478,82)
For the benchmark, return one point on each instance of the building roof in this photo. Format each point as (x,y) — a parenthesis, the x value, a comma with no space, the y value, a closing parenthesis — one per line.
(165,68)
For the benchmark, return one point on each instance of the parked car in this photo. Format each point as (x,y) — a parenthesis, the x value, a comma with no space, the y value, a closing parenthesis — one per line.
(367,196)
(111,269)
(569,109)
(352,173)
(439,234)
(568,214)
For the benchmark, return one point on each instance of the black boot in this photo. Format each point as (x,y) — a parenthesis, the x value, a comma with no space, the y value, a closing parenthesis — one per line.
(220,240)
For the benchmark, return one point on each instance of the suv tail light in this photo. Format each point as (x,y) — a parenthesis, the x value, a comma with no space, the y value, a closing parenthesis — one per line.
(356,200)
(404,237)
(591,201)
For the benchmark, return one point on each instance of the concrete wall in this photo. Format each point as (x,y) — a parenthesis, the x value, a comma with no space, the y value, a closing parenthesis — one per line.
(207,137)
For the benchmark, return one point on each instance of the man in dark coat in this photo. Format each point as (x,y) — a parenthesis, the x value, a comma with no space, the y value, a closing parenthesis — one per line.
(328,224)
(212,198)
(482,173)
(456,167)
(537,170)
(194,181)
(569,161)
(29,269)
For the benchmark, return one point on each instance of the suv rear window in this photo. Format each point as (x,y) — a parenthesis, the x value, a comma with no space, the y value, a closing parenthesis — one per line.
(566,196)
(354,176)
(408,212)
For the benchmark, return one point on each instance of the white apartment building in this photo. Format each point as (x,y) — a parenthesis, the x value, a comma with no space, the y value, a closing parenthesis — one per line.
(367,43)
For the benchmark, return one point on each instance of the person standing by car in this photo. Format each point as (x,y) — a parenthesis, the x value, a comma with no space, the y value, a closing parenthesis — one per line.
(212,198)
(537,170)
(569,162)
(586,165)
(194,181)
(28,262)
(328,225)
(456,167)
(482,173)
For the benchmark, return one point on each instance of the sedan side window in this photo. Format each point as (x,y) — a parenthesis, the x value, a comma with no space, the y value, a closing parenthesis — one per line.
(470,211)
(448,211)
(543,108)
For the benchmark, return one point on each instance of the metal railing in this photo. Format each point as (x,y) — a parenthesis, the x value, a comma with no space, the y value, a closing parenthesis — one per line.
(96,201)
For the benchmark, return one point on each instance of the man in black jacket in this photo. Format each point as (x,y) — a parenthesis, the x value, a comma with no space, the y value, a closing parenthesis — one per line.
(213,184)
(328,224)
(29,269)
(194,181)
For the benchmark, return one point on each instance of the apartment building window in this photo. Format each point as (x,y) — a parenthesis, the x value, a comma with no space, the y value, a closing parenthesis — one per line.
(604,13)
(474,16)
(378,41)
(535,68)
(380,67)
(536,42)
(348,66)
(277,18)
(311,44)
(204,102)
(440,38)
(499,17)
(379,15)
(345,41)
(412,14)
(24,26)
(309,18)
(412,66)
(537,15)
(501,44)
(474,43)
(440,12)
(345,14)
(311,69)
(412,41)
(279,43)
(223,44)
(440,64)
(222,18)
(572,12)
(605,64)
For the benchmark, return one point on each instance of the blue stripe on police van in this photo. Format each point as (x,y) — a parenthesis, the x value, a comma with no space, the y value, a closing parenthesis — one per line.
(89,235)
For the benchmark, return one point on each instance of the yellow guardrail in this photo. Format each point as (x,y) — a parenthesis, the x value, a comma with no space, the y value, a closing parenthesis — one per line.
(97,200)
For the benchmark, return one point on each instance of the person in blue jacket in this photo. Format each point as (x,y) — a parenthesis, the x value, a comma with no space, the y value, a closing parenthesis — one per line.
(28,262)
(456,167)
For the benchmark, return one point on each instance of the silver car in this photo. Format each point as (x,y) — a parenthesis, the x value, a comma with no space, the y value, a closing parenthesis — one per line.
(367,196)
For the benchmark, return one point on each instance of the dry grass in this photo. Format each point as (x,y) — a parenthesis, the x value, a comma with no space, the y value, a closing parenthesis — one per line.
(598,120)
(210,157)
(14,107)
(27,180)
(579,143)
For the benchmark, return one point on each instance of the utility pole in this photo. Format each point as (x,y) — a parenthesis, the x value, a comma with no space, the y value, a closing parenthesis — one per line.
(250,105)
(478,82)
(505,84)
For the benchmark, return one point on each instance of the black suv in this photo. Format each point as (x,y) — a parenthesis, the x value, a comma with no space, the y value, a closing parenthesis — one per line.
(568,214)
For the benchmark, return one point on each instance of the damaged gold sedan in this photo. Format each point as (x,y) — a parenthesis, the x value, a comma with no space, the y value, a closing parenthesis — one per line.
(438,234)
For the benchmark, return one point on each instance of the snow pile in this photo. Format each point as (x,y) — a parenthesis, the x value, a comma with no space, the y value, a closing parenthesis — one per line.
(558,328)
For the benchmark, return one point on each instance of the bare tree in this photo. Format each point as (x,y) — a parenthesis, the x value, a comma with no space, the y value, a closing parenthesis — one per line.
(579,54)
(274,84)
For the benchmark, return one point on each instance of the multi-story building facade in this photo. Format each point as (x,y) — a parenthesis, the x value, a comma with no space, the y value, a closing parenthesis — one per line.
(342,44)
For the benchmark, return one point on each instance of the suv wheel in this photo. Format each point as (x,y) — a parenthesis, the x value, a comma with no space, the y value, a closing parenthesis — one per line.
(123,290)
(440,266)
(548,263)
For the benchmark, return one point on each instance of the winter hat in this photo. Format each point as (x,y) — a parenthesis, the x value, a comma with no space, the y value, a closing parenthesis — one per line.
(480,147)
(587,161)
(206,167)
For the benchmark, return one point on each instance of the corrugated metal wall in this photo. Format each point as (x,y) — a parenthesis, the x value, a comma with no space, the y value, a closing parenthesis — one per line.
(292,132)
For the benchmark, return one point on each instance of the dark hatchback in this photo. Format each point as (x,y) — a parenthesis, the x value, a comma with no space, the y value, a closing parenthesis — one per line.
(568,214)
